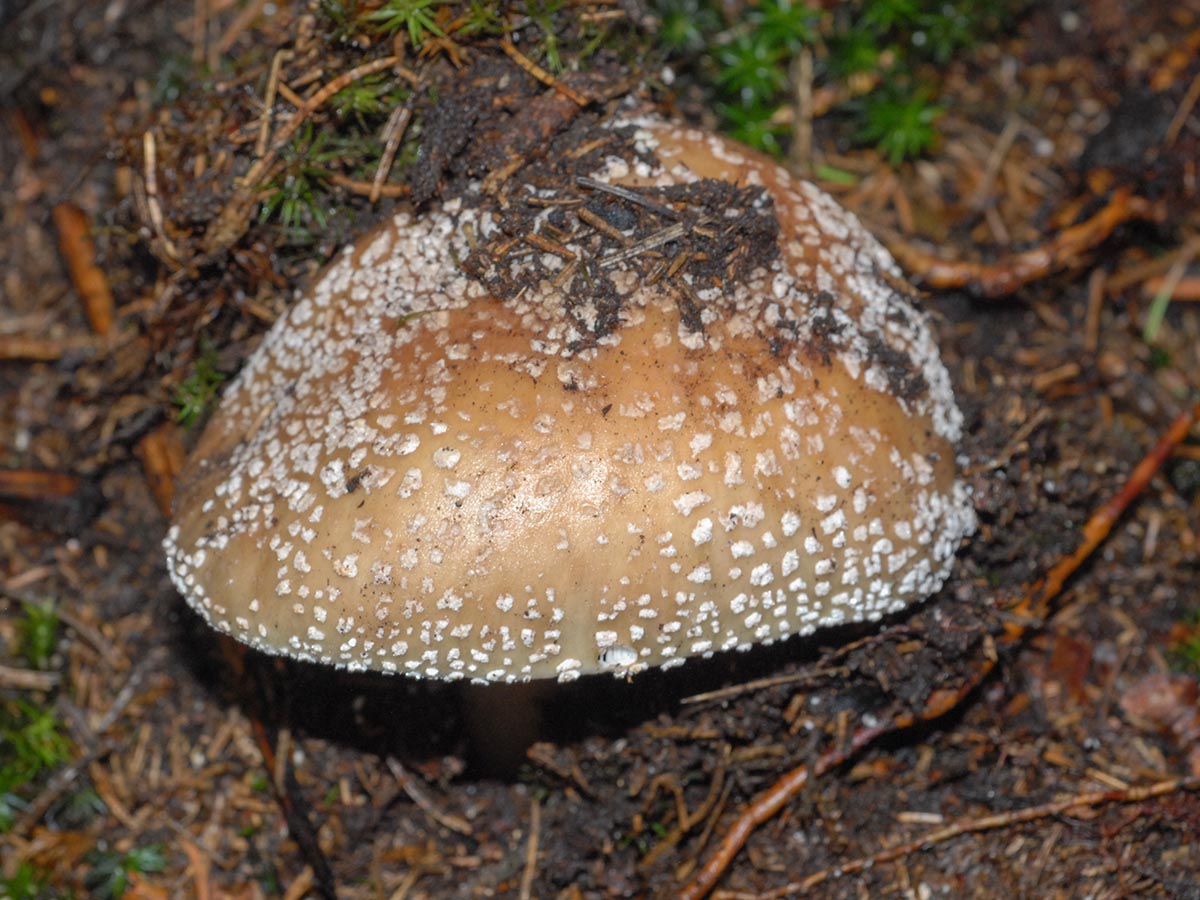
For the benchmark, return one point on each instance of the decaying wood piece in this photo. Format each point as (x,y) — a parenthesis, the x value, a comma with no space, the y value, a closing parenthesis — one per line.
(79,252)
(162,454)
(36,484)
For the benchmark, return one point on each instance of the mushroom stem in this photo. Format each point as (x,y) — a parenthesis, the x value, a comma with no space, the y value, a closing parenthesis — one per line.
(504,720)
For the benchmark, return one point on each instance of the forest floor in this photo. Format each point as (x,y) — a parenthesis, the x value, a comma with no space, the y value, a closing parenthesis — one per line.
(146,758)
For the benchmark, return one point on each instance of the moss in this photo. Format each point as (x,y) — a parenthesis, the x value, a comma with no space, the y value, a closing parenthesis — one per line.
(885,55)
(32,744)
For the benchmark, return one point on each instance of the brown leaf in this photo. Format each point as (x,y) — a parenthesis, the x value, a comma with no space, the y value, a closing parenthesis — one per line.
(1165,703)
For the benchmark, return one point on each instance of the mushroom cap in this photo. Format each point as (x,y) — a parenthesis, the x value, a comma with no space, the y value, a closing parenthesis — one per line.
(453,459)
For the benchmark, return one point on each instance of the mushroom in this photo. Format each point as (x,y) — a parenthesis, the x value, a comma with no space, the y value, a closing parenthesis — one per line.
(662,399)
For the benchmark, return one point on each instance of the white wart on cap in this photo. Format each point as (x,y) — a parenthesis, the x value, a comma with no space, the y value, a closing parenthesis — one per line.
(471,453)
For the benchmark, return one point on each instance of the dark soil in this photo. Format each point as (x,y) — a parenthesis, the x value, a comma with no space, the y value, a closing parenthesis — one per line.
(633,784)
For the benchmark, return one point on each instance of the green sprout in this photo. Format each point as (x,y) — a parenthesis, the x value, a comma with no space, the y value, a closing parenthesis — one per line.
(298,197)
(38,629)
(900,125)
(292,199)
(196,394)
(370,97)
(785,23)
(753,125)
(109,877)
(481,18)
(78,808)
(417,17)
(11,806)
(542,14)
(1184,654)
(32,743)
(886,15)
(27,883)
(685,24)
(753,69)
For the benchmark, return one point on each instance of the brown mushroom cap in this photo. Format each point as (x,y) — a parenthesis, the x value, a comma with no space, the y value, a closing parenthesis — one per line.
(418,473)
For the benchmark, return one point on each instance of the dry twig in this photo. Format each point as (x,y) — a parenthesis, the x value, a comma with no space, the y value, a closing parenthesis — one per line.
(1006,276)
(531,850)
(393,134)
(153,205)
(290,800)
(417,795)
(33,349)
(28,679)
(534,70)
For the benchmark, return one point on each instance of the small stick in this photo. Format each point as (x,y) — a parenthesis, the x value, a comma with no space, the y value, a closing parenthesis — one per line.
(584,149)
(764,806)
(1166,291)
(1028,427)
(1036,601)
(685,821)
(28,679)
(590,218)
(153,204)
(1097,285)
(455,823)
(36,484)
(24,133)
(629,194)
(290,95)
(653,242)
(533,69)
(264,128)
(243,20)
(397,125)
(1185,109)
(290,800)
(531,851)
(199,30)
(1185,290)
(16,346)
(678,263)
(560,202)
(366,189)
(984,190)
(200,867)
(544,243)
(567,273)
(801,152)
(80,253)
(301,885)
